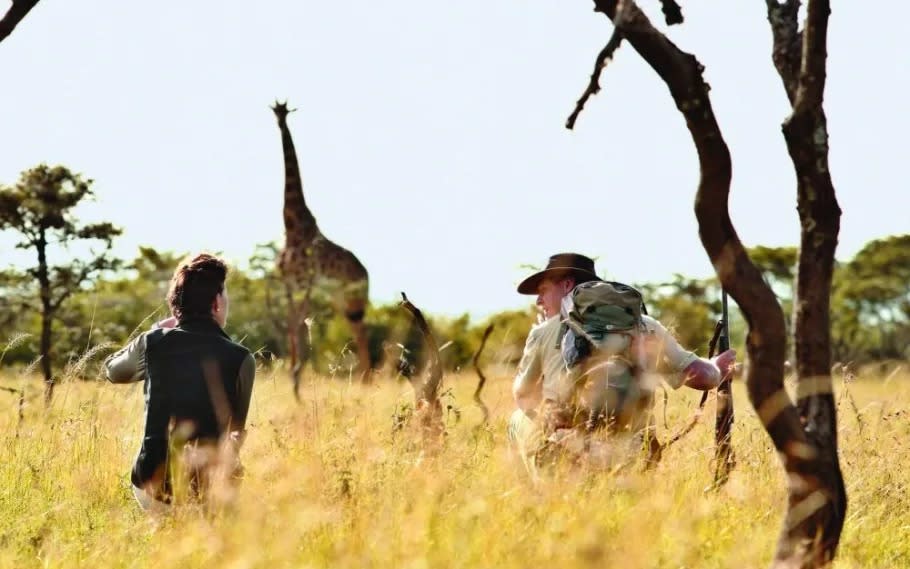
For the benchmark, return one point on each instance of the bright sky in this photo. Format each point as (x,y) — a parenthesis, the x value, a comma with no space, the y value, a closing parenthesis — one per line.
(430,134)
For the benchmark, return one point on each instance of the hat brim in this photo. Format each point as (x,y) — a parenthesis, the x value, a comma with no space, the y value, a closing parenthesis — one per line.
(530,284)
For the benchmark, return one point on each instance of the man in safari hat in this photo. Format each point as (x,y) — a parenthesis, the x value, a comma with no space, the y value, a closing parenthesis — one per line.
(541,371)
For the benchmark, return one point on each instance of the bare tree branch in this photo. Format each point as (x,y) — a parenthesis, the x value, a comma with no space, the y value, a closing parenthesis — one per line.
(672,12)
(14,15)
(603,59)
(429,390)
(483,379)
(813,73)
(766,342)
(428,408)
(788,42)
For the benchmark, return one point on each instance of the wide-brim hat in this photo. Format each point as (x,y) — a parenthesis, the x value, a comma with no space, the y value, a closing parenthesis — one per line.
(561,265)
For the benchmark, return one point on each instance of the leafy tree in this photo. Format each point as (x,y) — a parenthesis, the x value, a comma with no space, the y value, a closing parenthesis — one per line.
(872,293)
(510,330)
(778,266)
(688,307)
(40,208)
(17,301)
(156,266)
(114,308)
(15,296)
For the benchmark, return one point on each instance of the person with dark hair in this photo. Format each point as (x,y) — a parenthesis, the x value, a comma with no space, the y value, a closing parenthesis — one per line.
(197,385)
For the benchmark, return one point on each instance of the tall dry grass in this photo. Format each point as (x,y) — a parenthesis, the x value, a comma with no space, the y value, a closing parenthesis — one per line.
(329,484)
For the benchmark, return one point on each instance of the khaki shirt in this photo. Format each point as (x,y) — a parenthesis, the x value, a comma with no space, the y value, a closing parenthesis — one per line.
(540,372)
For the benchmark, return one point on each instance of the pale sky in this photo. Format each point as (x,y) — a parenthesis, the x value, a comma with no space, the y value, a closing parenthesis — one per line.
(430,134)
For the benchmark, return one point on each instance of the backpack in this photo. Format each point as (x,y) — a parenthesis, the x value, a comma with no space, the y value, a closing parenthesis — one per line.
(601,325)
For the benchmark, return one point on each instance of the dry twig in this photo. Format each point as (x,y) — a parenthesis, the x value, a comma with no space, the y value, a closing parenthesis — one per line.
(483,379)
(603,59)
(427,404)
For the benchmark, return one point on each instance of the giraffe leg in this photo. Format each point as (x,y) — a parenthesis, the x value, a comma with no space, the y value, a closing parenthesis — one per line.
(354,314)
(293,324)
(363,351)
(292,350)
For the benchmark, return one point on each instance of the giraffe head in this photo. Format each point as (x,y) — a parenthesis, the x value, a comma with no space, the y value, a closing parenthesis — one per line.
(281,111)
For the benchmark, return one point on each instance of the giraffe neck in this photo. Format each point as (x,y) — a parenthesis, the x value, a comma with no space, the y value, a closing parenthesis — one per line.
(299,222)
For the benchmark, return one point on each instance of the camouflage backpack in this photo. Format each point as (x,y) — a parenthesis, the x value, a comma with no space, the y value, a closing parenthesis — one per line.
(601,321)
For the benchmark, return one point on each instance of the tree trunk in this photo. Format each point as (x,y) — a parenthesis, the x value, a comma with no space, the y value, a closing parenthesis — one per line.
(47,310)
(818,499)
(766,340)
(46,325)
(426,394)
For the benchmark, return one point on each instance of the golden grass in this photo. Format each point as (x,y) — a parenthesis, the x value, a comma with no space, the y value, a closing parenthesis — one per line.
(328,484)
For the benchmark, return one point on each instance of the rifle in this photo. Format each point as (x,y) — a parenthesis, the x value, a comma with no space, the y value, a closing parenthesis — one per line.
(724,459)
(719,330)
(723,449)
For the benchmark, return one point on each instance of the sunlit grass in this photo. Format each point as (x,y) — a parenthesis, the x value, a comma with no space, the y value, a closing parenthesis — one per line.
(329,484)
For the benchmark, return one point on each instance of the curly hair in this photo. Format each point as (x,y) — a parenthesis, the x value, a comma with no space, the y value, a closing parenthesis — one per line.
(195,284)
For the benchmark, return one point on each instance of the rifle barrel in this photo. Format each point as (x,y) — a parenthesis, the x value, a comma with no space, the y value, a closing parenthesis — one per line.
(725,318)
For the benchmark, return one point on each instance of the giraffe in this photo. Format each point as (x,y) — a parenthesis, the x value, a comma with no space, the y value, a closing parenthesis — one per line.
(309,259)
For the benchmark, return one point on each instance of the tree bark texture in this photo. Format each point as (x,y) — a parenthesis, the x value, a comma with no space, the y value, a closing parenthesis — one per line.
(818,506)
(765,342)
(427,405)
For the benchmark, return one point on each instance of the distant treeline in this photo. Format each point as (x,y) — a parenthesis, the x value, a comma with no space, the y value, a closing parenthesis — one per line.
(870,313)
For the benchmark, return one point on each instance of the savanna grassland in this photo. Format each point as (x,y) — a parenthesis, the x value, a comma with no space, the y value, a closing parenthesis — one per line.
(328,483)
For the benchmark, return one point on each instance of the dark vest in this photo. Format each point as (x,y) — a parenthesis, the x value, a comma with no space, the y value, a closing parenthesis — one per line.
(191,392)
